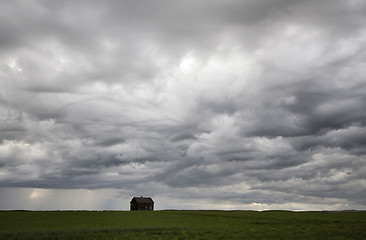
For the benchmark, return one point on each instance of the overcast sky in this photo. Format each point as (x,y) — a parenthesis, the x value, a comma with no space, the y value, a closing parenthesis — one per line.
(209,104)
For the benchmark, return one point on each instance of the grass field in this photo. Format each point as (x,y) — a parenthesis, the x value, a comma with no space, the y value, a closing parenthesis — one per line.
(181,225)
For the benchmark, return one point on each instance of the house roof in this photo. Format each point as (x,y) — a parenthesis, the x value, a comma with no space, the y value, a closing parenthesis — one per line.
(144,200)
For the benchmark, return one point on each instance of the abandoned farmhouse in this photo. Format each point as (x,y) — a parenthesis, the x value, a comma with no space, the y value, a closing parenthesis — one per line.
(142,204)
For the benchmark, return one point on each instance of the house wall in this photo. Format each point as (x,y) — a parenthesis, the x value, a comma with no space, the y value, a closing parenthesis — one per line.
(141,207)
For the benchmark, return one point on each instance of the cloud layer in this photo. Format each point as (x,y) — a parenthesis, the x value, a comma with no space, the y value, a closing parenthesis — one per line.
(242,104)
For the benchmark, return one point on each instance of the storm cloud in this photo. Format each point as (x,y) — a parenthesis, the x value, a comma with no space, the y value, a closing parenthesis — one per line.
(199,104)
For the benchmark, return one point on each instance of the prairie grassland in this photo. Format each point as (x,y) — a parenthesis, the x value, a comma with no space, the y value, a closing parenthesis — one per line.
(181,225)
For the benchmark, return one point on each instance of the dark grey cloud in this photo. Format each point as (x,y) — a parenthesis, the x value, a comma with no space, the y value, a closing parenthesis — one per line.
(239,104)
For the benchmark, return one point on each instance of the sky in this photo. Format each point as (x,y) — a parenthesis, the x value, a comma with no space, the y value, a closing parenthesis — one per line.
(210,104)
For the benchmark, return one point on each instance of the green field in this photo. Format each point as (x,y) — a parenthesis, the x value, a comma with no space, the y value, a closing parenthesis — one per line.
(181,225)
